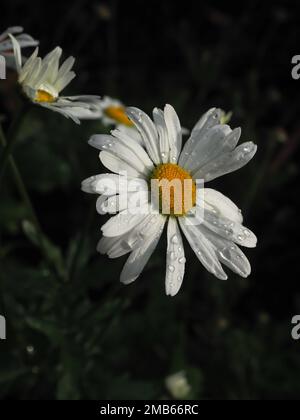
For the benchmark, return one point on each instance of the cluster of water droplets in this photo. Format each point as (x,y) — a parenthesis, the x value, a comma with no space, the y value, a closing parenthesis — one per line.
(176,260)
(108,144)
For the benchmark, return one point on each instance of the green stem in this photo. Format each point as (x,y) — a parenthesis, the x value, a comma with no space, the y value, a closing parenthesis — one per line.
(81,242)
(26,199)
(11,140)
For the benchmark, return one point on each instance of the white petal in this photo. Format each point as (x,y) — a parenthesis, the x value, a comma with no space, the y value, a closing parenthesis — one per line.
(26,40)
(11,30)
(226,163)
(106,184)
(65,68)
(28,65)
(114,247)
(139,258)
(218,140)
(211,118)
(229,253)
(61,83)
(131,143)
(218,203)
(17,52)
(65,111)
(203,249)
(121,245)
(174,132)
(131,132)
(230,230)
(164,145)
(123,222)
(120,150)
(117,165)
(175,258)
(148,132)
(116,203)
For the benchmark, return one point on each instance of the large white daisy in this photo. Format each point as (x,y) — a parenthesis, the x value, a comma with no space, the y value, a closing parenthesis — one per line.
(210,221)
(42,80)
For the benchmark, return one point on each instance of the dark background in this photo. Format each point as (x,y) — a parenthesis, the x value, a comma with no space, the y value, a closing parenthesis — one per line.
(75,332)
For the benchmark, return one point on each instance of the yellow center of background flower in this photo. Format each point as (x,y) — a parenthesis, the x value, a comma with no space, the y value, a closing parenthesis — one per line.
(180,195)
(43,96)
(117,113)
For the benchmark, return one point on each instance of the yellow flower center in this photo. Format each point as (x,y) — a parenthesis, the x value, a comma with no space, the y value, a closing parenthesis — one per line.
(175,188)
(117,113)
(43,96)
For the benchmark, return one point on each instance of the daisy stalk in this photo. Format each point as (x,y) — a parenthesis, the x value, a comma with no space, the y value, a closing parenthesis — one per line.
(30,208)
(9,143)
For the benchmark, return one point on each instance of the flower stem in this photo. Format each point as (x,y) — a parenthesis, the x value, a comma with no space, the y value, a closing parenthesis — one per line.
(26,199)
(11,140)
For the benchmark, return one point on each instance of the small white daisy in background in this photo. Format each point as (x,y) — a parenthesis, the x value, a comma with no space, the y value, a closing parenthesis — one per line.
(178,386)
(24,40)
(210,152)
(113,114)
(42,80)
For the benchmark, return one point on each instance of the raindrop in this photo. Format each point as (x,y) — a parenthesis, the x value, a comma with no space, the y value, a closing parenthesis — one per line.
(181,260)
(171,268)
(173,256)
(246,232)
(175,239)
(240,238)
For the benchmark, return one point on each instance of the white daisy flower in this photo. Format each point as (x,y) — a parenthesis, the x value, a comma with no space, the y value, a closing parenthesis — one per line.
(25,40)
(211,222)
(42,80)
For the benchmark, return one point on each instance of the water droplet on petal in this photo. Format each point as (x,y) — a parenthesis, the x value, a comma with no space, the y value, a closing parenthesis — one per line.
(171,268)
(175,239)
(173,256)
(181,260)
